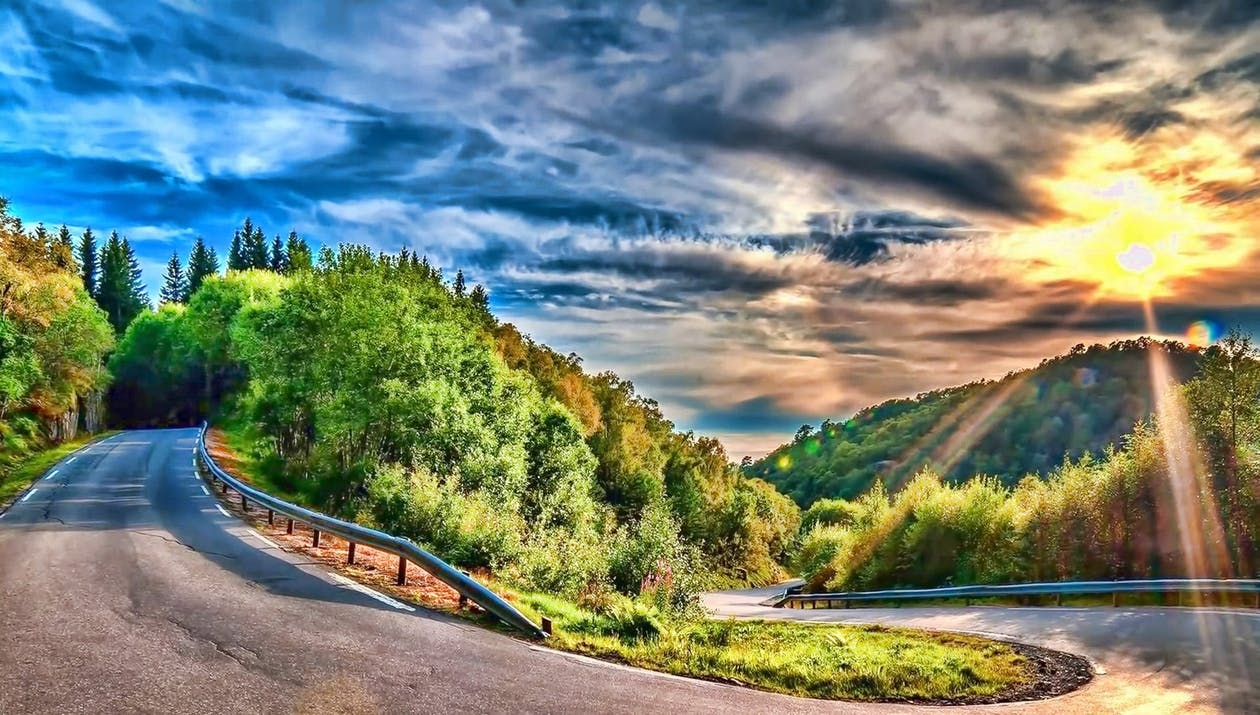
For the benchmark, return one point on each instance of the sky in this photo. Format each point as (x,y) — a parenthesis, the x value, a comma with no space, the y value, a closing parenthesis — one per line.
(762,214)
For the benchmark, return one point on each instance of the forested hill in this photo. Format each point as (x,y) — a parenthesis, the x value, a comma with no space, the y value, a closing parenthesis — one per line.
(1025,423)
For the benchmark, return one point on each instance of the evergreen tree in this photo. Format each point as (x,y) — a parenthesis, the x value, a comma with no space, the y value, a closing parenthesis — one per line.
(202,263)
(174,283)
(88,267)
(298,254)
(480,299)
(41,235)
(259,256)
(236,254)
(120,292)
(279,259)
(61,252)
(458,285)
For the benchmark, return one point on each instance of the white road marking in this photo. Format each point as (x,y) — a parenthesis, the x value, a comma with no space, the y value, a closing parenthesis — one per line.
(204,490)
(222,510)
(70,460)
(52,474)
(29,494)
(267,541)
(373,594)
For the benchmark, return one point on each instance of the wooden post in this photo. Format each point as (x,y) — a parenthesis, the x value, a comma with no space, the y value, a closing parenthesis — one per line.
(350,555)
(244,504)
(271,516)
(289,530)
(225,487)
(315,537)
(546,625)
(402,571)
(1115,599)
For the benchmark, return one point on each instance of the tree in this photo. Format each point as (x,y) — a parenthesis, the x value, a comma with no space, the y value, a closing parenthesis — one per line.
(202,263)
(236,254)
(256,254)
(458,285)
(174,283)
(279,259)
(120,293)
(298,254)
(61,251)
(88,261)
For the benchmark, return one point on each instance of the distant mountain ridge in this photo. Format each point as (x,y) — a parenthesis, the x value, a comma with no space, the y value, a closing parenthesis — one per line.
(1028,422)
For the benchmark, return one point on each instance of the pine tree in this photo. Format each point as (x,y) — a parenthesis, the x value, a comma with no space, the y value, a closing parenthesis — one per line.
(61,252)
(120,292)
(202,264)
(41,236)
(298,254)
(256,250)
(174,283)
(480,299)
(458,285)
(88,266)
(236,254)
(279,259)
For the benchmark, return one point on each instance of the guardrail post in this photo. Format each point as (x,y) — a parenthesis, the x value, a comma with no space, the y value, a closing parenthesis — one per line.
(315,537)
(225,487)
(289,529)
(402,571)
(1255,600)
(271,516)
(1058,599)
(546,625)
(244,504)
(350,554)
(1115,599)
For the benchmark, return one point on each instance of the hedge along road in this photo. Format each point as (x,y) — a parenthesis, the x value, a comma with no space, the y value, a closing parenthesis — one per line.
(1153,660)
(125,588)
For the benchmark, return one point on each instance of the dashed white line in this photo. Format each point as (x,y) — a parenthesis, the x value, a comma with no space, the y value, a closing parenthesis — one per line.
(70,460)
(52,474)
(222,510)
(266,541)
(204,490)
(29,494)
(373,594)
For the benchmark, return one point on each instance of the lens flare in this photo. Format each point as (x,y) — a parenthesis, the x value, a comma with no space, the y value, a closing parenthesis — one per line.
(784,462)
(1202,333)
(1137,258)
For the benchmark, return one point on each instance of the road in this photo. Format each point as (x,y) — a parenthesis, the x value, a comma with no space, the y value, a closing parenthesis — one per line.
(1155,660)
(125,589)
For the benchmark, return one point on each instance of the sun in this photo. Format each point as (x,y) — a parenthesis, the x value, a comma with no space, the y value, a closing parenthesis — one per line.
(1132,227)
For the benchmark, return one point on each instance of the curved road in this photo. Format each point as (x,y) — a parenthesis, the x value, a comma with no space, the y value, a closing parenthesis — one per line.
(125,589)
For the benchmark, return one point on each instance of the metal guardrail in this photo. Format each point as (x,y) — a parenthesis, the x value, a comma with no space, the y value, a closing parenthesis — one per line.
(405,549)
(1058,589)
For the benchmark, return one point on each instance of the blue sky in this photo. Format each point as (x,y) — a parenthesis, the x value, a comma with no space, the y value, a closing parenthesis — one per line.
(763,214)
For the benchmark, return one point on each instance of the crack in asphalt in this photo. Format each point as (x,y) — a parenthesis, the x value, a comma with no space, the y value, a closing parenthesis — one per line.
(177,542)
(228,650)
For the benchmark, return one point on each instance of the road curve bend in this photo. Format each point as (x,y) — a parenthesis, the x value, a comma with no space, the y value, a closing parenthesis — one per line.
(1150,660)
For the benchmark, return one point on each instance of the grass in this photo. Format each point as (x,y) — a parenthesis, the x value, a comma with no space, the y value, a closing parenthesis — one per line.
(812,660)
(871,663)
(15,481)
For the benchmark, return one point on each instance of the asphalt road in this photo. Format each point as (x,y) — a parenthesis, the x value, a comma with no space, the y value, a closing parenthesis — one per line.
(123,588)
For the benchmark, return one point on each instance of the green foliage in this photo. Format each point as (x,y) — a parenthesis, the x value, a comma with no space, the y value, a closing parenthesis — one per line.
(174,282)
(1029,422)
(120,291)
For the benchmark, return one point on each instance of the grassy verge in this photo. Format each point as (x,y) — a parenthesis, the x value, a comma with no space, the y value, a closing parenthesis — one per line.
(14,481)
(870,663)
(820,661)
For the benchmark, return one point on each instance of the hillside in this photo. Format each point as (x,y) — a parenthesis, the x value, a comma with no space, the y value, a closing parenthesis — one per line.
(1028,422)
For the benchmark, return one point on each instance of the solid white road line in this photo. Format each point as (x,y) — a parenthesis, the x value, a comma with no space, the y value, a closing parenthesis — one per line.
(204,490)
(222,510)
(29,494)
(267,541)
(373,594)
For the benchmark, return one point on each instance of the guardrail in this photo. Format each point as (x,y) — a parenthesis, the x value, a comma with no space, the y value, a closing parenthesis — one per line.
(405,549)
(1058,589)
